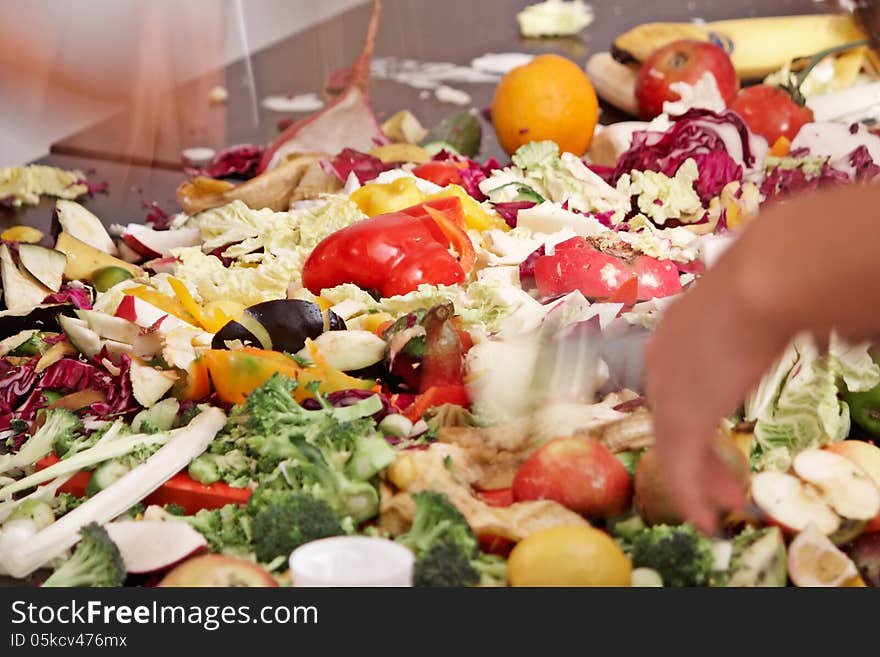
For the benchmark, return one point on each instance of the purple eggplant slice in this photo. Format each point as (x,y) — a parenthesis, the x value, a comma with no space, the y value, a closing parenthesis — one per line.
(281,325)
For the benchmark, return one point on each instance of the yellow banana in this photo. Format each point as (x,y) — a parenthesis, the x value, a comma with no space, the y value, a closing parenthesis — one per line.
(757,46)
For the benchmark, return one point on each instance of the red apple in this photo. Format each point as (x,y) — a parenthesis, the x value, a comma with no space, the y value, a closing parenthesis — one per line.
(578,472)
(218,570)
(686,61)
(653,499)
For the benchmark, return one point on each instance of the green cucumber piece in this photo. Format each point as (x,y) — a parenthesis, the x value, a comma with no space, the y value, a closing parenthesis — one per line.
(460,133)
(105,278)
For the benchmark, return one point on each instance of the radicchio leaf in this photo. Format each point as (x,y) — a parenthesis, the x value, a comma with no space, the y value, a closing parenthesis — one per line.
(239,161)
(347,122)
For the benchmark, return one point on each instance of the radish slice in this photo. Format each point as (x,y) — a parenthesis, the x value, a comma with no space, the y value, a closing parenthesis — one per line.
(159,243)
(84,226)
(151,545)
(792,504)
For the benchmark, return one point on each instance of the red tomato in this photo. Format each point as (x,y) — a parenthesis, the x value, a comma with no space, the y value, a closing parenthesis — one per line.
(439,173)
(771,112)
(685,60)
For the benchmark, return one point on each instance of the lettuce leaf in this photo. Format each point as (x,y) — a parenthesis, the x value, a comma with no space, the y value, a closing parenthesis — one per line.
(796,405)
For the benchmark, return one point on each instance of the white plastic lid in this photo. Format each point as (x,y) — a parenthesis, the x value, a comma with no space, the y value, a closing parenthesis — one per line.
(352,561)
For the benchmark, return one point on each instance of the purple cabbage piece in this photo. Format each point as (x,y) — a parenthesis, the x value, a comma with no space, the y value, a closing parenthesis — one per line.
(527,268)
(16,381)
(236,161)
(351,397)
(77,296)
(510,211)
(365,167)
(689,137)
(865,167)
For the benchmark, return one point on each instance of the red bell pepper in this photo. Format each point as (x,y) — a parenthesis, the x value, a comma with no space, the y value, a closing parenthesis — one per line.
(395,253)
(439,173)
(180,490)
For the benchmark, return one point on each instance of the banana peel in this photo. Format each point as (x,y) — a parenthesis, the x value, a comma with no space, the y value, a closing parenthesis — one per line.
(757,46)
(298,177)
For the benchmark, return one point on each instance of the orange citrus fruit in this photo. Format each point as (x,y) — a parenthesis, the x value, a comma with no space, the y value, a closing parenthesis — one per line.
(549,98)
(568,556)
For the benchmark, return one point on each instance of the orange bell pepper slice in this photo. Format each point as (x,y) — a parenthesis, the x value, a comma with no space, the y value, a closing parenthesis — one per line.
(781,147)
(237,373)
(195,384)
(457,236)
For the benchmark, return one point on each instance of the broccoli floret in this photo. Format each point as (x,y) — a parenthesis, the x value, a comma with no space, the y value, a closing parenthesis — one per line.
(331,453)
(681,555)
(174,509)
(283,520)
(444,564)
(446,548)
(227,529)
(59,424)
(135,512)
(437,520)
(233,467)
(65,503)
(371,455)
(624,530)
(95,562)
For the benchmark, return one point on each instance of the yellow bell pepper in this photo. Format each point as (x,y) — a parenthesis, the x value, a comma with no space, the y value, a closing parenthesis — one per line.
(211,319)
(475,215)
(161,301)
(381,198)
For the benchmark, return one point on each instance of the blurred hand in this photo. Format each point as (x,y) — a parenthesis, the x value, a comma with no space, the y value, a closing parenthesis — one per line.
(807,264)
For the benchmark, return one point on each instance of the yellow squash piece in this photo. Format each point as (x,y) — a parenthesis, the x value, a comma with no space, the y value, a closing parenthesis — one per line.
(757,46)
(26,234)
(401,153)
(83,260)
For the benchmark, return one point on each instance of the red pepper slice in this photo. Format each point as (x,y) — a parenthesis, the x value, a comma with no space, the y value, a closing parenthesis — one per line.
(180,489)
(439,173)
(436,396)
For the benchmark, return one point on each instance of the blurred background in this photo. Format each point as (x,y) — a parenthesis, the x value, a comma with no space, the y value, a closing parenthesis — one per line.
(67,65)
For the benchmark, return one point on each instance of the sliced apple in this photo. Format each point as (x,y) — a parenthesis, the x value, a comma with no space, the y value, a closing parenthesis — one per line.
(867,456)
(20,290)
(148,546)
(152,243)
(813,560)
(45,265)
(83,260)
(84,226)
(149,384)
(791,504)
(218,570)
(845,486)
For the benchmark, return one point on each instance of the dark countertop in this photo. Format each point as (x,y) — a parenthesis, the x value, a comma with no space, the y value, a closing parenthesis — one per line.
(453,31)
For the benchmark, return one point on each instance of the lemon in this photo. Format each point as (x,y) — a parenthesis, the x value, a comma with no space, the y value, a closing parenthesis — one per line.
(568,556)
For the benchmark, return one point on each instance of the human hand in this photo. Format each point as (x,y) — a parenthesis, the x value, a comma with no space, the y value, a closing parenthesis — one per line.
(710,349)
